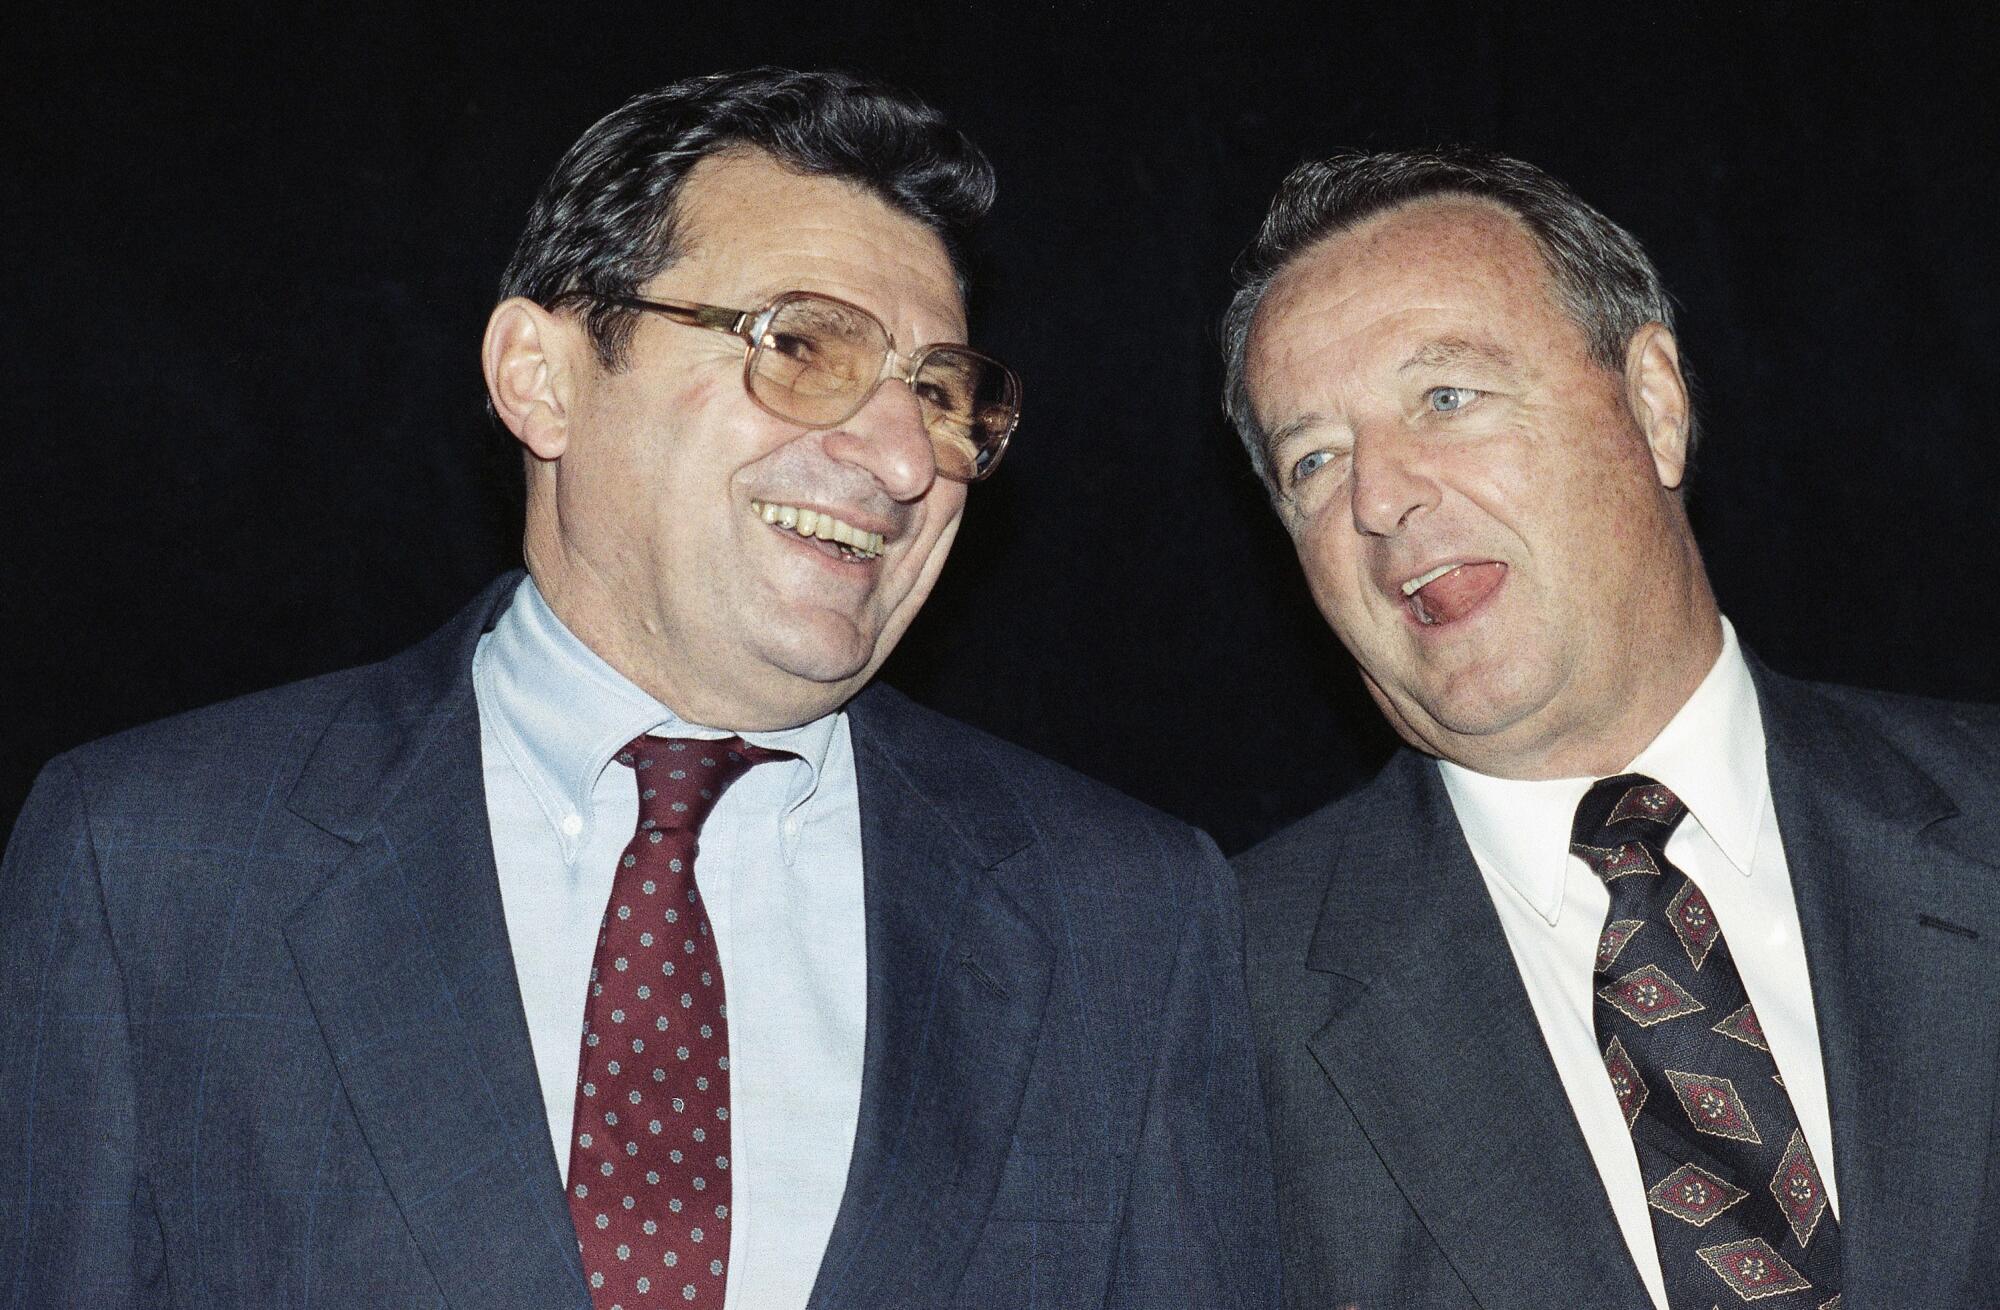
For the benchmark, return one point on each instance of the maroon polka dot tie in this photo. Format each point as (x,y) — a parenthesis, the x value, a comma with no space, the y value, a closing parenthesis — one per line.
(649,1149)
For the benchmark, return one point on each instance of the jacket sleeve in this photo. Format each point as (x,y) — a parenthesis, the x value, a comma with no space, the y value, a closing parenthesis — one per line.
(76,1226)
(1200,1224)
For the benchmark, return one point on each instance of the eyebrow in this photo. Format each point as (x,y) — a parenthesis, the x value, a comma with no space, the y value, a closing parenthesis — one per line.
(1442,352)
(1288,429)
(1457,350)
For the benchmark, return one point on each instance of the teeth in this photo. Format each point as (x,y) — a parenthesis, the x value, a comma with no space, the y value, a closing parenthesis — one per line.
(1414,585)
(821,526)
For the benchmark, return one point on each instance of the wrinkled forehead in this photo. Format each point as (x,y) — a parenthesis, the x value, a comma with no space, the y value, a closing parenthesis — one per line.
(1462,266)
(749,227)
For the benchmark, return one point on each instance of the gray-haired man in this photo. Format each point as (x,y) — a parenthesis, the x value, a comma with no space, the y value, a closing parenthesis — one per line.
(1646,975)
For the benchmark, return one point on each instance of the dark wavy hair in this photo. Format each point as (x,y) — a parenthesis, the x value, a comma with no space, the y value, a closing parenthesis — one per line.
(605,221)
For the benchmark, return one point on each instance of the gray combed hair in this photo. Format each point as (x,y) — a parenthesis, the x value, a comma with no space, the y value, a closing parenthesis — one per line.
(1601,275)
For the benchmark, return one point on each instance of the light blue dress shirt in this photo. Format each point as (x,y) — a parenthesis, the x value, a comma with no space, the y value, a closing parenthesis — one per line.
(780,873)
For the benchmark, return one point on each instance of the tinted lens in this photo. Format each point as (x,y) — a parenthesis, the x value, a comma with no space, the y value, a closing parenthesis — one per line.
(816,358)
(969,404)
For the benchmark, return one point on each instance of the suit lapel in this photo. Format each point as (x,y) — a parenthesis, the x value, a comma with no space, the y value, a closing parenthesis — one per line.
(1890,878)
(405,958)
(957,977)
(1432,1044)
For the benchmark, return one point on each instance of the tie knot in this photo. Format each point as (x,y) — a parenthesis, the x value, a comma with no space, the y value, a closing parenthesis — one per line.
(1620,816)
(681,780)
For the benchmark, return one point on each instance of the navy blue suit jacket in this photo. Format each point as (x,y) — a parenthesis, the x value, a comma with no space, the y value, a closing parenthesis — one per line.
(261,1043)
(1426,1155)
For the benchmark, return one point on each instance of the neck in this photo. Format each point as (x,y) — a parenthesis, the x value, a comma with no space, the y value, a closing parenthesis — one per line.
(1608,748)
(659,662)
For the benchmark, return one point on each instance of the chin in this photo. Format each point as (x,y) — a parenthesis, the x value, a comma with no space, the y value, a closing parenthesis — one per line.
(1475,721)
(822,652)
(1481,707)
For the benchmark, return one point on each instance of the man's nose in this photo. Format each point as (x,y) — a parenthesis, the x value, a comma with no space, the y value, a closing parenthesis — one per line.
(886,437)
(1391,484)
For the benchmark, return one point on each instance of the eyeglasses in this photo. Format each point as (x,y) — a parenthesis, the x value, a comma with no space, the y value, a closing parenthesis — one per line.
(816,360)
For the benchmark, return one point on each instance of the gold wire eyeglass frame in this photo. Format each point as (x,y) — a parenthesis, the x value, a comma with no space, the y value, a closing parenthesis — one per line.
(752,325)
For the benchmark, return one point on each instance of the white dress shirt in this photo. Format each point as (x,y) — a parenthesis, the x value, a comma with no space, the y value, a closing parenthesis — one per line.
(780,874)
(1552,908)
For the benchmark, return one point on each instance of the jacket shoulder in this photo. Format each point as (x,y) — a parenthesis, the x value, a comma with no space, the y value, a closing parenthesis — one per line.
(1338,850)
(245,751)
(1056,797)
(1284,882)
(1918,719)
(1285,876)
(190,760)
(1957,743)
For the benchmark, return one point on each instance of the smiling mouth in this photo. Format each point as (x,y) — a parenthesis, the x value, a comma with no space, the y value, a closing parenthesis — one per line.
(1449,592)
(849,541)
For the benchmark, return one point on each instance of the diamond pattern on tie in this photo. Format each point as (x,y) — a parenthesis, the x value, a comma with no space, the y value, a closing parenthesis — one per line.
(1649,801)
(1693,922)
(1614,862)
(1742,1026)
(1738,1207)
(1796,1186)
(649,1153)
(1713,1106)
(1752,1269)
(1612,944)
(1648,995)
(1693,1195)
(1625,1080)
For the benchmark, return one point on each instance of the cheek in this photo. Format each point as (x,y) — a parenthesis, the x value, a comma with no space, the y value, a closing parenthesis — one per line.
(1329,555)
(903,590)
(1525,484)
(702,392)
(686,418)
(1589,503)
(941,520)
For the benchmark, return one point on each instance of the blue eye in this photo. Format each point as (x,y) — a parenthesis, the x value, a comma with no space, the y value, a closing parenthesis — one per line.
(1310,465)
(1449,400)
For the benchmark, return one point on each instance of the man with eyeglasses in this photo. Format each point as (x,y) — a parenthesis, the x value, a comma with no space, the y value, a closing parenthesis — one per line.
(618,946)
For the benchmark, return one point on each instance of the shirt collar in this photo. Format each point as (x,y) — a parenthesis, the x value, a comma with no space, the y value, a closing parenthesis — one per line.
(561,713)
(1710,754)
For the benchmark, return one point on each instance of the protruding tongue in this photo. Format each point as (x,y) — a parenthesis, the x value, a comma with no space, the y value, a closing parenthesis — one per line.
(1453,596)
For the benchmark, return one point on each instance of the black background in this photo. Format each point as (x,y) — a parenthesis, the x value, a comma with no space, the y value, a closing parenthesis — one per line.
(251,251)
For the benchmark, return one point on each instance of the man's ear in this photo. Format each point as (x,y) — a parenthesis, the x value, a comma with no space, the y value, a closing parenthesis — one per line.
(528,357)
(1658,397)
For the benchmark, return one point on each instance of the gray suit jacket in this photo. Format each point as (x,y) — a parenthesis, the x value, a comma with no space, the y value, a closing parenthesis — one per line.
(261,1043)
(1425,1151)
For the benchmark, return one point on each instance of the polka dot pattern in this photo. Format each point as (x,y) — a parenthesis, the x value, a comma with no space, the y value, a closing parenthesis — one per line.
(651,1133)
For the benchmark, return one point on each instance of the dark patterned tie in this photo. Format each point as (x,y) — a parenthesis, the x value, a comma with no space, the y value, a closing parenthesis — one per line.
(649,1149)
(1738,1210)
